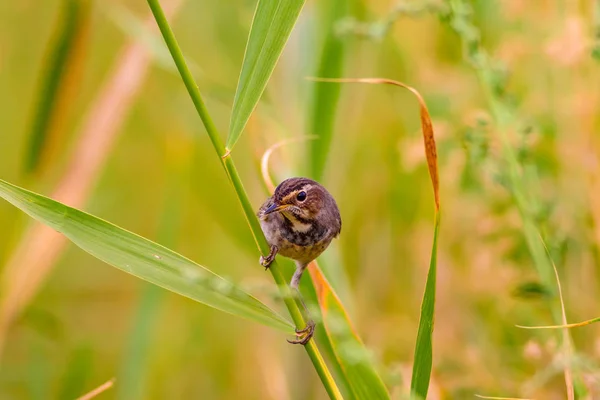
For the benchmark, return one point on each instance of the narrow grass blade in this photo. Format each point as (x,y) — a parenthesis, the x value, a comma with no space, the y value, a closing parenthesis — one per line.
(133,375)
(421,372)
(325,98)
(426,125)
(349,355)
(39,248)
(135,27)
(292,305)
(37,378)
(59,70)
(507,121)
(97,391)
(271,27)
(573,325)
(567,343)
(134,368)
(142,258)
(264,162)
(79,369)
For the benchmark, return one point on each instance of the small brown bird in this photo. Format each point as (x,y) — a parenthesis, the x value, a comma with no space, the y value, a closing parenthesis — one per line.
(299,221)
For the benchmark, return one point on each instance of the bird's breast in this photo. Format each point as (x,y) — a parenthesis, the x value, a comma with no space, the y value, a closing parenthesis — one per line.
(303,253)
(294,239)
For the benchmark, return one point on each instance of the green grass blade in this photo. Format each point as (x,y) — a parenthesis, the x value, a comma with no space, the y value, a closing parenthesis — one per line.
(292,304)
(79,369)
(135,28)
(424,347)
(61,52)
(352,355)
(421,373)
(134,369)
(325,98)
(142,258)
(38,379)
(271,28)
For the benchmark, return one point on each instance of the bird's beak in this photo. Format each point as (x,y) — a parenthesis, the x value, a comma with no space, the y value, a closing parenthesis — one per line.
(275,208)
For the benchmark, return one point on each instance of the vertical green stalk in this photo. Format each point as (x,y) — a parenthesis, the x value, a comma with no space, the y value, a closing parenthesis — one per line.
(506,122)
(132,377)
(227,162)
(134,367)
(596,27)
(423,359)
(325,98)
(61,55)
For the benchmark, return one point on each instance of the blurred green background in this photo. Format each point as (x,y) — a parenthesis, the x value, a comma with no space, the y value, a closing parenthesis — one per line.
(131,150)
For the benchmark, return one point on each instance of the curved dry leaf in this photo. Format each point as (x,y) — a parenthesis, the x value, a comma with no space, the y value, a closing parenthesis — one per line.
(426,126)
(100,389)
(264,162)
(424,346)
(573,325)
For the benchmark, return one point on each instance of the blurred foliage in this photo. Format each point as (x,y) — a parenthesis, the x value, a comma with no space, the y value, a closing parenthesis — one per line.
(544,58)
(62,73)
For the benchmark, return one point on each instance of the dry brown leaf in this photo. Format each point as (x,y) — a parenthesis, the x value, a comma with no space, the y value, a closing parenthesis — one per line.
(426,126)
(100,389)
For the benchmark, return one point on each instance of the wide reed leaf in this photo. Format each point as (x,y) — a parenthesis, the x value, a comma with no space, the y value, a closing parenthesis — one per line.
(142,258)
(271,28)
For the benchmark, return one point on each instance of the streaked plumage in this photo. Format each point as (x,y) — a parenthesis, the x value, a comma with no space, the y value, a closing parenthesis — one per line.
(299,222)
(300,229)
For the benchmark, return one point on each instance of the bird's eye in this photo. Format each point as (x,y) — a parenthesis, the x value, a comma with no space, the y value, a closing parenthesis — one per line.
(301,196)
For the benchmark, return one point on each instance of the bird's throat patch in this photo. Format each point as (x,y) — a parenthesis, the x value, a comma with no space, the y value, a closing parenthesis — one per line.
(297,225)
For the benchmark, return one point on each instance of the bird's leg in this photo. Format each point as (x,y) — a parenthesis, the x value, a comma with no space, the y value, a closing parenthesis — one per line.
(305,334)
(266,261)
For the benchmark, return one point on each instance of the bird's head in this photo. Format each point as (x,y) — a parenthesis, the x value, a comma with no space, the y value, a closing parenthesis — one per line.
(299,198)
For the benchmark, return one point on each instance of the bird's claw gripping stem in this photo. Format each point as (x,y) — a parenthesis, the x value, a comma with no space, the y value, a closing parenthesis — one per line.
(266,261)
(304,335)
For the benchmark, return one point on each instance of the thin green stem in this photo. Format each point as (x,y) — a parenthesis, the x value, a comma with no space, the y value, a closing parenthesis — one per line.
(261,242)
(506,123)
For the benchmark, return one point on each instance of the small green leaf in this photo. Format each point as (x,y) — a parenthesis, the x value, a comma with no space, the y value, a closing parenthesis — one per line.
(142,258)
(271,28)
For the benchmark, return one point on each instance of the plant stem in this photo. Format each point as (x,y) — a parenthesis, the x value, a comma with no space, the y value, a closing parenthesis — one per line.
(506,123)
(261,242)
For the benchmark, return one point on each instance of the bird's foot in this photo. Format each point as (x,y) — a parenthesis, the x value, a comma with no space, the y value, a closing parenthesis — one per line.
(266,261)
(305,334)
